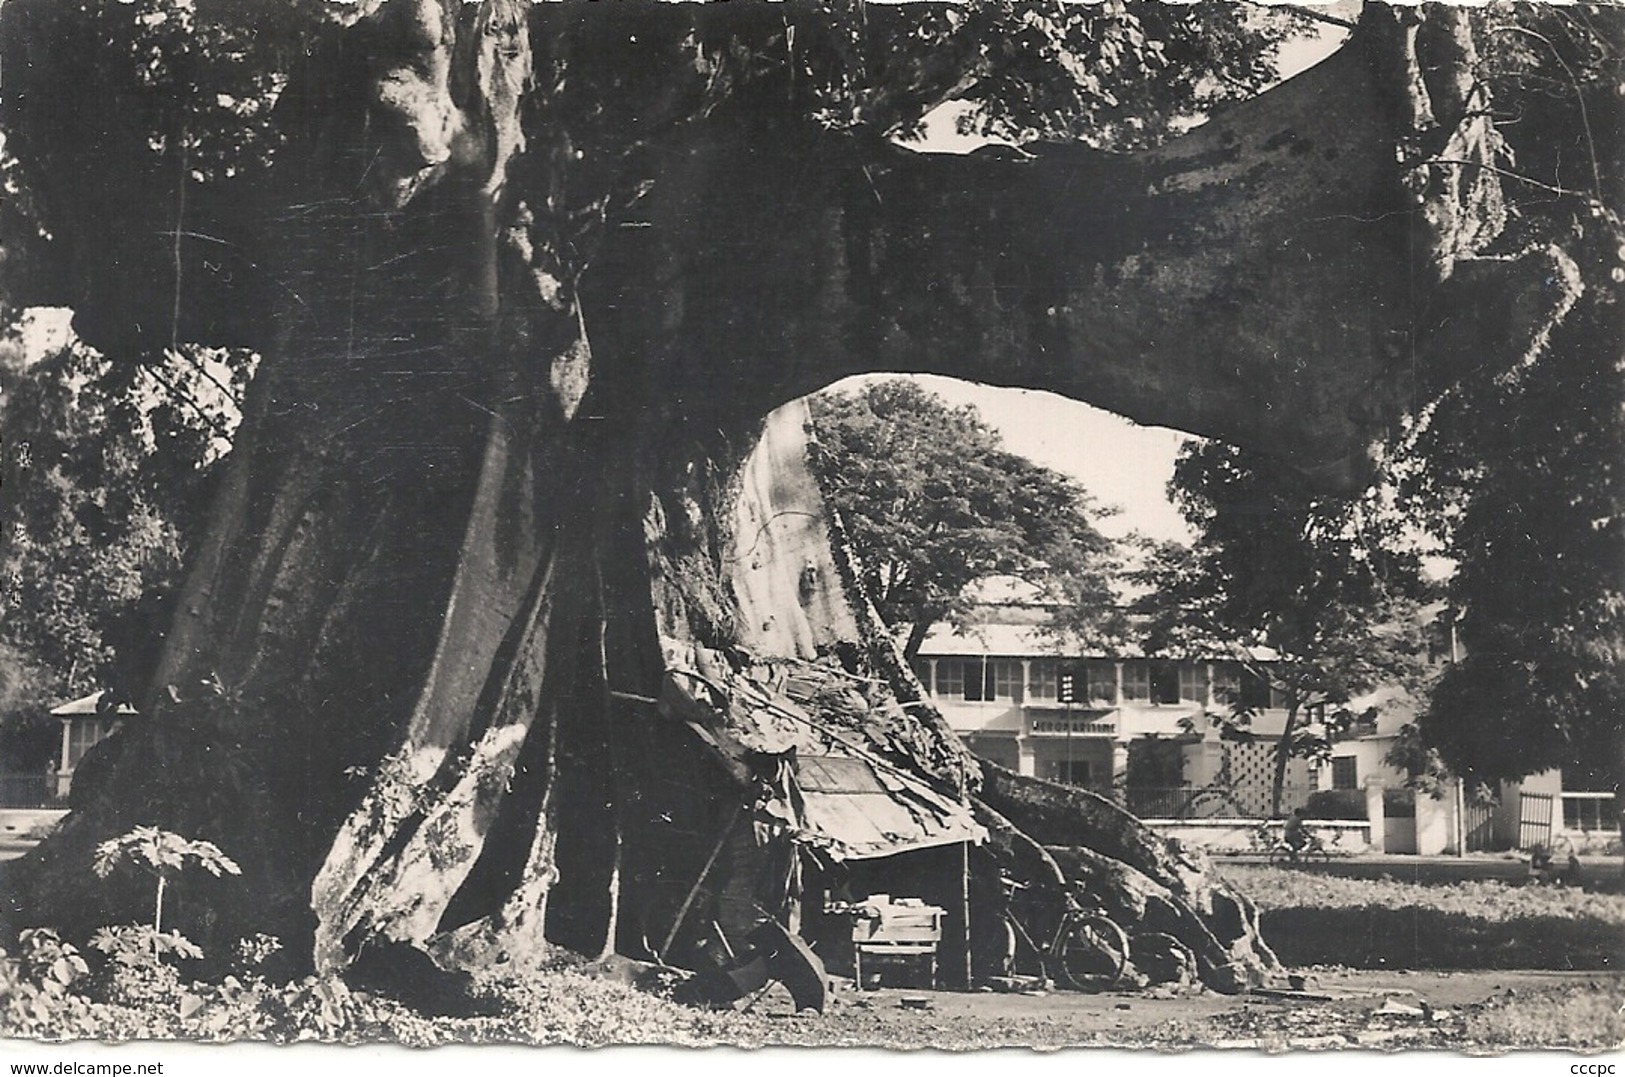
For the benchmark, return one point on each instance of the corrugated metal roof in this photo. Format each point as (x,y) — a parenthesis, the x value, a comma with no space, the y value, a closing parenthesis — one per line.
(1010,641)
(856,812)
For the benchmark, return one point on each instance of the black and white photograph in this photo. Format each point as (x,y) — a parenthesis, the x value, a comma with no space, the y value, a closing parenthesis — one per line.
(927,526)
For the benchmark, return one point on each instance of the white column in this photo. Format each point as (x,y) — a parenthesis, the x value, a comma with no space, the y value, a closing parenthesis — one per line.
(1119,763)
(1376,814)
(931,672)
(1026,681)
(1026,758)
(1458,805)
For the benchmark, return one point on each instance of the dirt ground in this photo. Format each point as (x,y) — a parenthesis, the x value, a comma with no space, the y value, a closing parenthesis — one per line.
(1339,1009)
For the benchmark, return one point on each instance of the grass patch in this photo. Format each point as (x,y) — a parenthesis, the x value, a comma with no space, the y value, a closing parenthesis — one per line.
(1312,919)
(1580,1018)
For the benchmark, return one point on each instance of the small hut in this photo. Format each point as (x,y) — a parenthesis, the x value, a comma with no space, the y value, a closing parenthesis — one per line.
(820,817)
(86,722)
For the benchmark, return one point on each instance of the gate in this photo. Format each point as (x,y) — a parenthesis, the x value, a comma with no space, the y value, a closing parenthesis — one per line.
(1478,827)
(1535,820)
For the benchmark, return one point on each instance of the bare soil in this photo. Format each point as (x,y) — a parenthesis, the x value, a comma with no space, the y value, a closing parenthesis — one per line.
(1339,1009)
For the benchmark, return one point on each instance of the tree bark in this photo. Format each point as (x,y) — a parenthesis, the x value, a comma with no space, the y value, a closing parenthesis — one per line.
(456,535)
(1283,754)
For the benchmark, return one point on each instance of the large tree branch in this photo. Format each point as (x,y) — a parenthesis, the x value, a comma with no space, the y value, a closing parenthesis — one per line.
(1265,279)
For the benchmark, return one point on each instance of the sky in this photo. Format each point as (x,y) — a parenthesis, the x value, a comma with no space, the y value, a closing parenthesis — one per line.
(1120,462)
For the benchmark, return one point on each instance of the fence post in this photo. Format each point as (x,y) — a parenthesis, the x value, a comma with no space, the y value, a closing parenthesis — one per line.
(1458,811)
(1375,815)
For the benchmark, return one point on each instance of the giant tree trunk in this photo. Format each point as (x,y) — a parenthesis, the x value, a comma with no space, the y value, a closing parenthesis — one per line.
(457,540)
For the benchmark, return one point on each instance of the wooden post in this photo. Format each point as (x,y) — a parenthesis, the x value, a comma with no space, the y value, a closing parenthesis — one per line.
(964,908)
(710,861)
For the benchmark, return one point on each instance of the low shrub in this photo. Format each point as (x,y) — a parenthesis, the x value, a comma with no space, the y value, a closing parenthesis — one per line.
(1336,804)
(1315,919)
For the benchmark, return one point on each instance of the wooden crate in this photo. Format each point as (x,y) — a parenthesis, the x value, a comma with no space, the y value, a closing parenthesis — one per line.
(892,930)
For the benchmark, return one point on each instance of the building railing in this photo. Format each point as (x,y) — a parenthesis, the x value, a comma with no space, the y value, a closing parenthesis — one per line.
(30,791)
(1210,802)
(1589,812)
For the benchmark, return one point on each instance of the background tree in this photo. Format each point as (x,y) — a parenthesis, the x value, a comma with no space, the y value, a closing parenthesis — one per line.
(105,478)
(1527,478)
(1307,592)
(527,278)
(933,502)
(1517,469)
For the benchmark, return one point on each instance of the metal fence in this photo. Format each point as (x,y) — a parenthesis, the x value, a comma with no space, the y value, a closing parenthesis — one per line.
(1210,802)
(1534,819)
(30,791)
(1478,827)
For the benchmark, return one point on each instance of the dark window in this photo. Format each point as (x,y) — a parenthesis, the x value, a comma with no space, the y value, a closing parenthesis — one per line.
(1004,679)
(1193,681)
(976,676)
(1102,680)
(1136,680)
(1165,682)
(1071,771)
(1345,772)
(1255,691)
(1044,681)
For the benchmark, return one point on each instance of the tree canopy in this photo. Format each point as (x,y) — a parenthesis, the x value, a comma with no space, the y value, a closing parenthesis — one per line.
(106,476)
(1525,481)
(1516,468)
(933,502)
(1311,593)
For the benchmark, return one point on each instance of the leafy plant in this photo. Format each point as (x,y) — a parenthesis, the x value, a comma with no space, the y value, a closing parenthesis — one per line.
(138,944)
(255,951)
(50,962)
(136,974)
(163,855)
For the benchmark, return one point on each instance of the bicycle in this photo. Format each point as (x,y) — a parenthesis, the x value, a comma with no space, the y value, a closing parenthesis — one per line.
(1087,948)
(1280,854)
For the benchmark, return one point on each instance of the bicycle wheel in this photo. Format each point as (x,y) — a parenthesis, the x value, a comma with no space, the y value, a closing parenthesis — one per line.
(1093,951)
(1280,856)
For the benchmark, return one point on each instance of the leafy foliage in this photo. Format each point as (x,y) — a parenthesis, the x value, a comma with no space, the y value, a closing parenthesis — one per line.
(1115,73)
(934,503)
(1314,594)
(107,469)
(136,944)
(161,854)
(49,960)
(1518,471)
(1530,492)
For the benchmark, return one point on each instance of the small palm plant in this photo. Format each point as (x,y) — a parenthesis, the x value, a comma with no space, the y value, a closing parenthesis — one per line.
(163,855)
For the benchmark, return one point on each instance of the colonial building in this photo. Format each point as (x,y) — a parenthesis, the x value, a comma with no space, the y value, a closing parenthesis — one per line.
(1140,729)
(1020,698)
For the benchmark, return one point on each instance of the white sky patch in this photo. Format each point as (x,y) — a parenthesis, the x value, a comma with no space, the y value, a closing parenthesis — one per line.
(1120,462)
